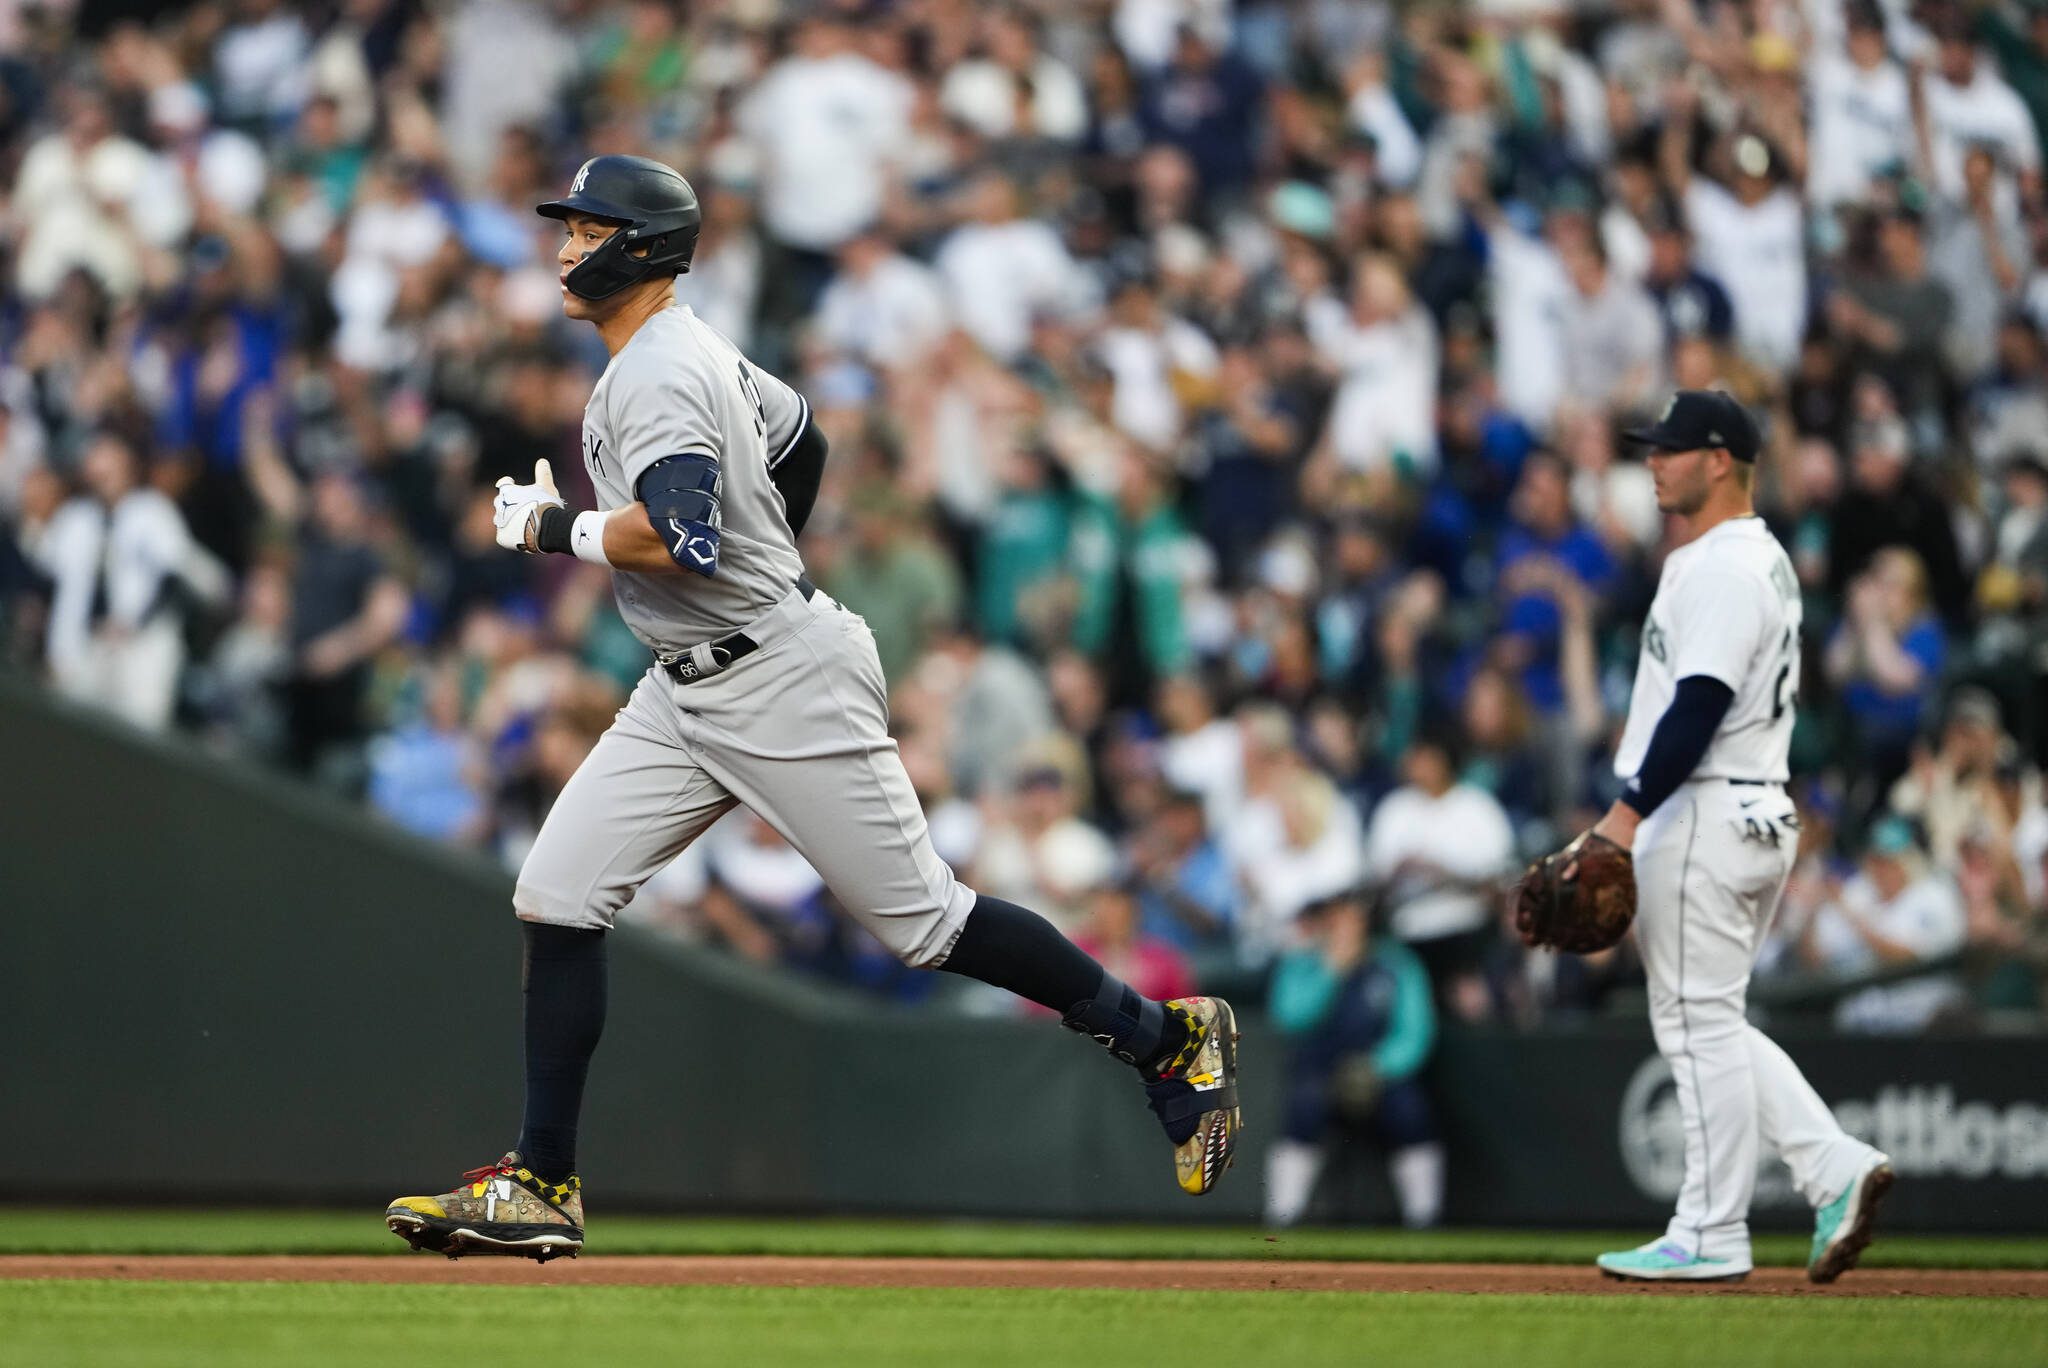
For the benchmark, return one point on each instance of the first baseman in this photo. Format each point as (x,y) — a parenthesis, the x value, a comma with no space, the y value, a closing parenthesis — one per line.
(763,691)
(1704,757)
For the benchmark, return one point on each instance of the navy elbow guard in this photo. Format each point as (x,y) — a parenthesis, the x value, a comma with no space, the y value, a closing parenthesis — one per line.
(681,495)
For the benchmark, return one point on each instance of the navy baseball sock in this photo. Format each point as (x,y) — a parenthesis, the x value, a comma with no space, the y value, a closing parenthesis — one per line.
(1017,949)
(565,1004)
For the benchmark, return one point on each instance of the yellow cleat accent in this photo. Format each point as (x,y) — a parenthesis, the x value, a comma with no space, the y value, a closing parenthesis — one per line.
(425,1206)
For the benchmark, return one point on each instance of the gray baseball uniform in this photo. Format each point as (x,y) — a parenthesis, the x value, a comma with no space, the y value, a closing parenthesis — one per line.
(678,387)
(798,730)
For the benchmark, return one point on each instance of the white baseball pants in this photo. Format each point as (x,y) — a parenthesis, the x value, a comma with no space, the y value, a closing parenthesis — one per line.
(1708,881)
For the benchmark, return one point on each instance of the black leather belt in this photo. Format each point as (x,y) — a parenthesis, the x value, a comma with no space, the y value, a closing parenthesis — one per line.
(733,646)
(1756,783)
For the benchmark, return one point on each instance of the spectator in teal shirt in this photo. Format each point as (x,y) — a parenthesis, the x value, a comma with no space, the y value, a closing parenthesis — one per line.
(1359,1016)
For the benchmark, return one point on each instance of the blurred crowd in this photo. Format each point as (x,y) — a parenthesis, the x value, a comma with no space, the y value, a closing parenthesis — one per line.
(1223,402)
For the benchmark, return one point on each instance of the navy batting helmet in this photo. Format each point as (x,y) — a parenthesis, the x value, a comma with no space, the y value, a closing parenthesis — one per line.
(655,208)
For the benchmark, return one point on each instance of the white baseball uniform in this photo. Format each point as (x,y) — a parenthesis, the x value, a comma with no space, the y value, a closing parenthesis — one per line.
(1711,862)
(798,729)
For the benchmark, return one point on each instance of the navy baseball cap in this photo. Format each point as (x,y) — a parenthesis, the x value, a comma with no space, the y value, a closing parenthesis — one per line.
(1702,418)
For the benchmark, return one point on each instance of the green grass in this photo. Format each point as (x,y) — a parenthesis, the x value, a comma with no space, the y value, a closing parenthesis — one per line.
(40,1230)
(158,1325)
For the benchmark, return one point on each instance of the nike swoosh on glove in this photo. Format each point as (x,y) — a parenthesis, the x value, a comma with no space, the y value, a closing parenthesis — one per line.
(517,508)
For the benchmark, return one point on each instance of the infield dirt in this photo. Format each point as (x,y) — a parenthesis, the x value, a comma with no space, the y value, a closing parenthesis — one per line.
(783,1271)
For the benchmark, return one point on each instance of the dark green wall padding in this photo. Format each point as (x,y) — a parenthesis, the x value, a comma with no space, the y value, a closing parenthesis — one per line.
(216,985)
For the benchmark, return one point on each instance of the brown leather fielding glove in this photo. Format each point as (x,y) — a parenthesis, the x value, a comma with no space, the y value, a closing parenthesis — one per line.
(1580,899)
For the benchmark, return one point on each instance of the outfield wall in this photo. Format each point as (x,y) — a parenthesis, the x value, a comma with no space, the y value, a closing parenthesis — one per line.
(218,985)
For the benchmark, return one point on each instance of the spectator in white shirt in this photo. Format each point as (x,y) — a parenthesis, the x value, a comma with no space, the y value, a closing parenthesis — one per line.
(1370,108)
(1436,850)
(1040,849)
(1200,752)
(1384,351)
(1530,289)
(831,125)
(1750,233)
(1000,269)
(1292,849)
(1968,103)
(1151,355)
(1896,911)
(117,555)
(81,197)
(1013,89)
(882,308)
(259,63)
(1862,112)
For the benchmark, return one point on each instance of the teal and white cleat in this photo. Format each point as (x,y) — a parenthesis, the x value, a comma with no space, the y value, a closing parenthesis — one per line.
(1841,1229)
(1667,1261)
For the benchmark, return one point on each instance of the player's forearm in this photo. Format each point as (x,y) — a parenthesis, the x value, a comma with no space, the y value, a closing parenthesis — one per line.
(625,537)
(632,544)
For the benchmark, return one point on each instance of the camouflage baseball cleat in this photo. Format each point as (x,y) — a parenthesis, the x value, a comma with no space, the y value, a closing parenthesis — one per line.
(1195,1094)
(501,1208)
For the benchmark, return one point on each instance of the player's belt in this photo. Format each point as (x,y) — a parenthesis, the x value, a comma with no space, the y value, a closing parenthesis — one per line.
(711,657)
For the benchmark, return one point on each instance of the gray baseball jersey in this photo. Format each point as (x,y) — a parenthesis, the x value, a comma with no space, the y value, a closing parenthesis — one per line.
(798,730)
(680,387)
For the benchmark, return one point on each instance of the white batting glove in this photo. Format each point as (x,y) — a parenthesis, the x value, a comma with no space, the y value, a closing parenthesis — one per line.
(517,509)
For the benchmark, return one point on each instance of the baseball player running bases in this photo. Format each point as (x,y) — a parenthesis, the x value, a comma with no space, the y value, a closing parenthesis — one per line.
(763,691)
(1714,834)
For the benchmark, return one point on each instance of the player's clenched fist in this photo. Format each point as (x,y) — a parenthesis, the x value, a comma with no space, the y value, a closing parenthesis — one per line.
(517,509)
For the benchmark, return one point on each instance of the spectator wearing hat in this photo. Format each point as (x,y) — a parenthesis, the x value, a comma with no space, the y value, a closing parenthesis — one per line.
(1356,1010)
(1950,789)
(2015,578)
(1691,302)
(1039,845)
(1895,911)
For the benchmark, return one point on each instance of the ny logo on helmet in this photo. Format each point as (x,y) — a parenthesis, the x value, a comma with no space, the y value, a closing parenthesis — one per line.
(582,175)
